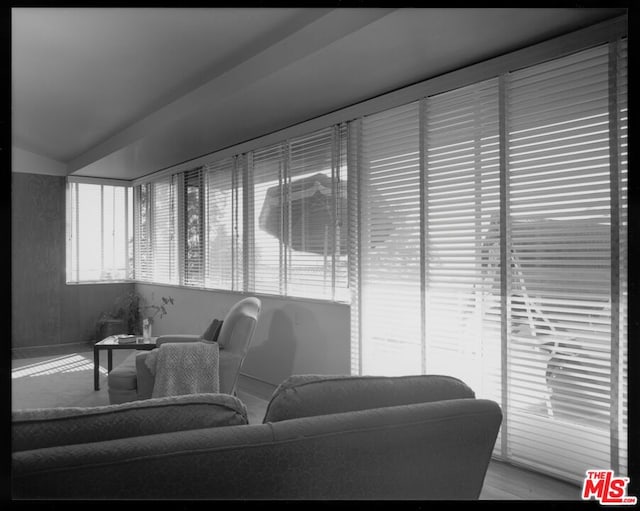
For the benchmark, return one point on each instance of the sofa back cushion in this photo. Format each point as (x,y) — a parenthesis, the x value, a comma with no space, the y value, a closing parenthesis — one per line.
(48,427)
(312,395)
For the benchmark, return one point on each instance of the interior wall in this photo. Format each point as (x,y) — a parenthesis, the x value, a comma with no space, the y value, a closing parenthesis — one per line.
(292,336)
(37,258)
(44,309)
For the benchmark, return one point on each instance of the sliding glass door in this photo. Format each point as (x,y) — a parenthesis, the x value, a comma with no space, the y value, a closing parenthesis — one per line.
(492,247)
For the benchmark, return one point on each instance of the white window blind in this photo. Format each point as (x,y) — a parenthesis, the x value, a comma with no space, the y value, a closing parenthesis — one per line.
(462,230)
(297,235)
(270,221)
(193,220)
(224,224)
(142,214)
(560,170)
(99,232)
(315,202)
(390,292)
(267,264)
(164,230)
(620,408)
(354,239)
(508,267)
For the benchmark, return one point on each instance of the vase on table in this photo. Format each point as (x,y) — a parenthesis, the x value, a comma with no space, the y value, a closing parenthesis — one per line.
(146,329)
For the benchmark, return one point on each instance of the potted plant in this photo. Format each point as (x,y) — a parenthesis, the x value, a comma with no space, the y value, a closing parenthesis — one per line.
(129,313)
(149,311)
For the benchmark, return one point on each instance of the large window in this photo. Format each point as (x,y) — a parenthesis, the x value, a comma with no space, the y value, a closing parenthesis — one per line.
(157,231)
(99,232)
(298,222)
(269,221)
(495,216)
(194,222)
(223,219)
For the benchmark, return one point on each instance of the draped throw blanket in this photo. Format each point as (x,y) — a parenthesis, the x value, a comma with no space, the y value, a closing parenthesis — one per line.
(184,368)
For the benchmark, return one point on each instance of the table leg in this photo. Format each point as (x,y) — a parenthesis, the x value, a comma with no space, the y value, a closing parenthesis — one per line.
(109,360)
(96,368)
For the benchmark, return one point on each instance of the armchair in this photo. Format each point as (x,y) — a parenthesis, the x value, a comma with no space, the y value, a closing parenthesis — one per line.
(132,380)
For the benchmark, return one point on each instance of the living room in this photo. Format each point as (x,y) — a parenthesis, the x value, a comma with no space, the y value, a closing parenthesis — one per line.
(124,137)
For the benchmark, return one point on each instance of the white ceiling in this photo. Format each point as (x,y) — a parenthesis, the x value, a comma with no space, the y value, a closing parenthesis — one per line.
(123,92)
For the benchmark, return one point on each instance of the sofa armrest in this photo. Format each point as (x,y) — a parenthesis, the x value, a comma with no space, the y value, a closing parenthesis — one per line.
(49,427)
(178,338)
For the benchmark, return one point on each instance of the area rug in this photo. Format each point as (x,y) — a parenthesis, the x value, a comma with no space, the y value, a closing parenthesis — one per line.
(57,381)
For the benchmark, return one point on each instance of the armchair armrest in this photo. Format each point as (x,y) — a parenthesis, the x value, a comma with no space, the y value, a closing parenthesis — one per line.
(178,338)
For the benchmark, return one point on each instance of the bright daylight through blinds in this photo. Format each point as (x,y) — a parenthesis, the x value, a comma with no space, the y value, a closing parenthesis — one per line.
(99,232)
(462,229)
(390,243)
(562,154)
(223,220)
(270,221)
(493,248)
(297,212)
(157,231)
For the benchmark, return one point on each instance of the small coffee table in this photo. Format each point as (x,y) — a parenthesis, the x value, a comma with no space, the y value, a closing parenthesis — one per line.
(111,343)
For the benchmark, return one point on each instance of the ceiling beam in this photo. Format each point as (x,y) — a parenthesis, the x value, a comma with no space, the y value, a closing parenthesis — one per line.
(323,29)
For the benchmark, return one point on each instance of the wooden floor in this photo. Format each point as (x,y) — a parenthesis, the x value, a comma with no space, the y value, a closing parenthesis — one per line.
(502,482)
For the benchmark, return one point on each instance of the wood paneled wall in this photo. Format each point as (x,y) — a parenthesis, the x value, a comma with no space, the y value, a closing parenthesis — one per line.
(44,310)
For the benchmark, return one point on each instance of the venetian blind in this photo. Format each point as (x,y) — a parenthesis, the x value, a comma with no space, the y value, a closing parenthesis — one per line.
(142,222)
(164,230)
(297,207)
(224,225)
(268,263)
(620,408)
(560,403)
(390,231)
(513,248)
(462,235)
(193,227)
(315,243)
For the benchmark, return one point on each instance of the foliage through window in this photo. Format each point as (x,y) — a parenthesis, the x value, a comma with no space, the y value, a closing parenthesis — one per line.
(194,221)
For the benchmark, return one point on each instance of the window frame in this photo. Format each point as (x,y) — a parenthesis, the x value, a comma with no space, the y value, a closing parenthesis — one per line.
(72,248)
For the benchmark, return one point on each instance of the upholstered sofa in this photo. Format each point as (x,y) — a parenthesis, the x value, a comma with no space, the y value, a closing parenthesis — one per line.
(322,437)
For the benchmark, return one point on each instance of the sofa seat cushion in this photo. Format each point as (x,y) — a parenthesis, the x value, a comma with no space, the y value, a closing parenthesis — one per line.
(124,376)
(313,395)
(48,427)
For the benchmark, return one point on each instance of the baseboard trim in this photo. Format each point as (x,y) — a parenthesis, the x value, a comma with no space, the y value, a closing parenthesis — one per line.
(51,349)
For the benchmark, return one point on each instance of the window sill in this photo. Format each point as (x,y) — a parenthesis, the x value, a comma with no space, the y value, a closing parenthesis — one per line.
(92,282)
(246,293)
